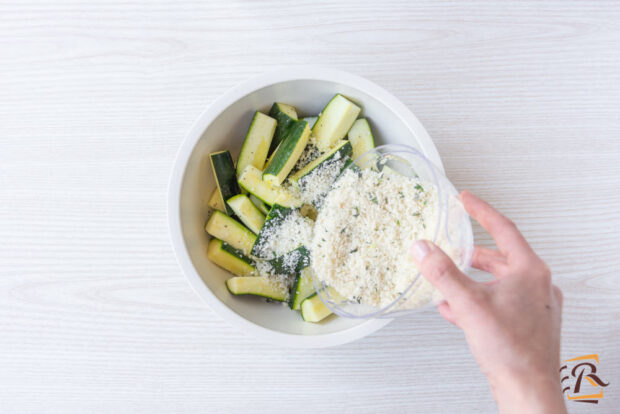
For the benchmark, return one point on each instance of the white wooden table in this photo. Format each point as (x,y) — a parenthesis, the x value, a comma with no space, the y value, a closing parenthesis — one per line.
(522,100)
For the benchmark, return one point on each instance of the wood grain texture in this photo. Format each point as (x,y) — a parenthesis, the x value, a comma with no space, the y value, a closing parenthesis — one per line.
(522,100)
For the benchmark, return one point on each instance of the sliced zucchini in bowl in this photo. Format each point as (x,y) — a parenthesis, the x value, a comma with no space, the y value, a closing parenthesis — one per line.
(215,201)
(257,142)
(251,180)
(247,212)
(257,286)
(341,150)
(276,215)
(288,152)
(291,262)
(229,258)
(361,137)
(225,177)
(314,310)
(231,231)
(335,121)
(285,115)
(259,204)
(302,288)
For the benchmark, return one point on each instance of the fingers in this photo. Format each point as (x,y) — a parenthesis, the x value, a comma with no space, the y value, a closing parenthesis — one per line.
(446,312)
(442,273)
(508,238)
(489,260)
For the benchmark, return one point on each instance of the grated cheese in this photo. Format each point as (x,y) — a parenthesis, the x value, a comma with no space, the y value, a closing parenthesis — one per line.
(310,153)
(363,234)
(291,232)
(314,186)
(264,268)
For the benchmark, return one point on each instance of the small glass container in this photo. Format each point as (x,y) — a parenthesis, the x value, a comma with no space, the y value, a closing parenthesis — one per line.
(452,231)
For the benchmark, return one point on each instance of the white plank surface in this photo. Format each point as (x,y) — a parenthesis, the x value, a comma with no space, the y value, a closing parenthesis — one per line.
(522,100)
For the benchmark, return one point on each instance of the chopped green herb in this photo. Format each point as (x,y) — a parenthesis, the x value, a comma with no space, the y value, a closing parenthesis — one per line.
(374,200)
(397,222)
(419,187)
(357,211)
(354,250)
(400,193)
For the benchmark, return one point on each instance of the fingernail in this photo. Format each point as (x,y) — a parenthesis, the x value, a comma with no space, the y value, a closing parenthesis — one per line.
(419,250)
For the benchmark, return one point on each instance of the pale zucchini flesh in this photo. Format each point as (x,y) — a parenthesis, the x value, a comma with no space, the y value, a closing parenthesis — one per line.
(334,122)
(288,152)
(361,137)
(259,204)
(257,142)
(231,231)
(313,310)
(257,286)
(229,259)
(215,201)
(247,212)
(251,180)
(302,288)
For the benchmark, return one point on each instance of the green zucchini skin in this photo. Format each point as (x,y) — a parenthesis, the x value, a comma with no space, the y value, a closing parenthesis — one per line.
(343,150)
(237,253)
(291,262)
(225,177)
(229,258)
(251,180)
(256,286)
(276,214)
(302,288)
(288,152)
(284,121)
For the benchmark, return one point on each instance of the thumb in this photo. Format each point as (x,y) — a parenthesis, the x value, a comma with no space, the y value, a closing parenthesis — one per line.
(442,273)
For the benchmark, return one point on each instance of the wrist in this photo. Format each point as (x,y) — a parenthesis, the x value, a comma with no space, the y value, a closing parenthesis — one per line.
(528,392)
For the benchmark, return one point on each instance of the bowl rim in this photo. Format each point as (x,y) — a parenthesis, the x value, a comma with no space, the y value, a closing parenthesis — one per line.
(285,74)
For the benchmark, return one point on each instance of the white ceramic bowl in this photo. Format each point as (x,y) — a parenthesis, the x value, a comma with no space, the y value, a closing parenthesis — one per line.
(223,126)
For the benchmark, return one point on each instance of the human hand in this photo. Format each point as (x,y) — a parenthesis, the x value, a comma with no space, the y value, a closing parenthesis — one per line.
(512,324)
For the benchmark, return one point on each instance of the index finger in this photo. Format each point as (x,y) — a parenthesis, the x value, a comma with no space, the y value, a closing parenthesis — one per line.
(508,238)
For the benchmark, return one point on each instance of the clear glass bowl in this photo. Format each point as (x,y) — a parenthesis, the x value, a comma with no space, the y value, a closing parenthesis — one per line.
(452,231)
